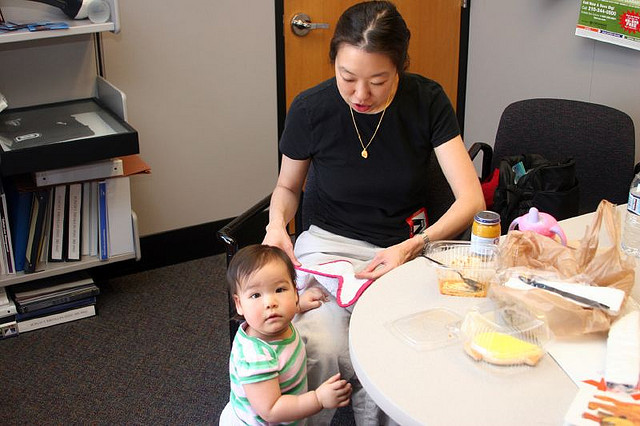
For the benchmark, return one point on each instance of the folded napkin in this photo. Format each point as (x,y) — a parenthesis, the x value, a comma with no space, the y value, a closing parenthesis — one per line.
(338,277)
(622,367)
(612,297)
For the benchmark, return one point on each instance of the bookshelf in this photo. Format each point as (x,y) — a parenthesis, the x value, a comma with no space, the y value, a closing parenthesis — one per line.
(46,79)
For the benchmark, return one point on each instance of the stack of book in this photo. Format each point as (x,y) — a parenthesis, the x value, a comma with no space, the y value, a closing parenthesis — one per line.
(8,325)
(50,301)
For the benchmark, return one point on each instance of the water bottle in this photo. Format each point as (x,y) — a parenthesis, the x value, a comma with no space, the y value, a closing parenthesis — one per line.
(631,231)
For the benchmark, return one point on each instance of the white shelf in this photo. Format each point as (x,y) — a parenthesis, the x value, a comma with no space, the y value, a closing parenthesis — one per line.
(75,28)
(59,268)
(21,11)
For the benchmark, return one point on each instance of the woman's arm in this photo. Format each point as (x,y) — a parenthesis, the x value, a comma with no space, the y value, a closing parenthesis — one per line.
(284,203)
(266,399)
(461,176)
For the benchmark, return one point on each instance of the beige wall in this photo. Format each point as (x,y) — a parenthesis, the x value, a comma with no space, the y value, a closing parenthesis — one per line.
(201,87)
(200,80)
(527,49)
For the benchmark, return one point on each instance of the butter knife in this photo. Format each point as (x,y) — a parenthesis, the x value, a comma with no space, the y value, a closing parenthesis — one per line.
(580,299)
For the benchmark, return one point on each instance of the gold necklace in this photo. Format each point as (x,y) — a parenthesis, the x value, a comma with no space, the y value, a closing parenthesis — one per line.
(364,152)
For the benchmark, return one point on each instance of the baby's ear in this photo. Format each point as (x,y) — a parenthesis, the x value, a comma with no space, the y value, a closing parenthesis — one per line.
(236,301)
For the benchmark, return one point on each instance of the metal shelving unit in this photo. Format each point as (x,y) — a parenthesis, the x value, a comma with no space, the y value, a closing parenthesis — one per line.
(21,11)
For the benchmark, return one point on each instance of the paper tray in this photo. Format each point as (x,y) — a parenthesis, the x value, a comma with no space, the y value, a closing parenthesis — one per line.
(62,134)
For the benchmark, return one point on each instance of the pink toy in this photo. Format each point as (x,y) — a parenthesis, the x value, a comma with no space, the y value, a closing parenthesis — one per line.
(541,223)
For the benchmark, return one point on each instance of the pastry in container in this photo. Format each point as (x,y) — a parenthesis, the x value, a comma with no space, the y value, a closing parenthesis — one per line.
(504,336)
(456,261)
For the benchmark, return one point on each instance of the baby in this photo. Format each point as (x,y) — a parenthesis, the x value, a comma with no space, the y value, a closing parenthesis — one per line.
(268,361)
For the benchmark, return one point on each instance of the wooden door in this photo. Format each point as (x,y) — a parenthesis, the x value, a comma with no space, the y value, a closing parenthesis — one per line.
(433,49)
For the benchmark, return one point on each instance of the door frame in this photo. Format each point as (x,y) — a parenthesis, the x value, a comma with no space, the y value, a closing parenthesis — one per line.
(462,64)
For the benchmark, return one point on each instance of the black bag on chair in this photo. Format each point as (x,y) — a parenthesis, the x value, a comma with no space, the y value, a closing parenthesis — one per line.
(551,187)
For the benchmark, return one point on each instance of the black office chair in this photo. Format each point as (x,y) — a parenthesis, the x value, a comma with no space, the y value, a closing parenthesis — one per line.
(600,139)
(248,228)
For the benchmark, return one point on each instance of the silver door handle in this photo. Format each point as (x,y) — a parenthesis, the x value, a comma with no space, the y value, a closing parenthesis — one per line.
(301,25)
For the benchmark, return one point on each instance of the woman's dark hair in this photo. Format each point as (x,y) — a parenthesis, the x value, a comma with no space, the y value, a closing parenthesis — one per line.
(251,258)
(375,27)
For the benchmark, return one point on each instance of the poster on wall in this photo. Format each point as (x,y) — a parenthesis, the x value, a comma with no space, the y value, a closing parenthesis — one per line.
(612,21)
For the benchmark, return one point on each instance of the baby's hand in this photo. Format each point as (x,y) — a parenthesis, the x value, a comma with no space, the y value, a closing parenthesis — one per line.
(312,298)
(333,393)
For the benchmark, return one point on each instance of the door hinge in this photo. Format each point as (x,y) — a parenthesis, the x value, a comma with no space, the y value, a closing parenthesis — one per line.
(464,3)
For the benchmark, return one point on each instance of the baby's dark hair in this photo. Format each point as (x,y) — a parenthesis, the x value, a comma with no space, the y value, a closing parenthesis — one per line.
(375,27)
(251,258)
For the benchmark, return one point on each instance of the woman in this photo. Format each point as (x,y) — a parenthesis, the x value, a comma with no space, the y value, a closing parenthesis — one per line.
(369,133)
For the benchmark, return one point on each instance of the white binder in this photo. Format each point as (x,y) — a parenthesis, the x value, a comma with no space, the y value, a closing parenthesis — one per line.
(90,171)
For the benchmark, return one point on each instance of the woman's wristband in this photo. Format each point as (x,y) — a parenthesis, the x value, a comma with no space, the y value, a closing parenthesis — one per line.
(426,240)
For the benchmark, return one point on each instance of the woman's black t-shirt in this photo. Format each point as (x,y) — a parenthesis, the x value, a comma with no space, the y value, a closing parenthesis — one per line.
(369,199)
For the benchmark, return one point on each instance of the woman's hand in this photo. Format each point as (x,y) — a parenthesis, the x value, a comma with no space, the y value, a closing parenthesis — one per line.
(312,298)
(392,257)
(279,237)
(284,202)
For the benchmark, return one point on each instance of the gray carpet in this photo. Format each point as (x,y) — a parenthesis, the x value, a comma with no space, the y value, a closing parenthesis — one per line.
(157,353)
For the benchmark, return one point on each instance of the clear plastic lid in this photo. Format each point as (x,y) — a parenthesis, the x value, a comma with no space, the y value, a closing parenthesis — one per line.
(426,330)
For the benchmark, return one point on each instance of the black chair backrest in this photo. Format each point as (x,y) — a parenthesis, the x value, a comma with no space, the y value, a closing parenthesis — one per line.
(601,139)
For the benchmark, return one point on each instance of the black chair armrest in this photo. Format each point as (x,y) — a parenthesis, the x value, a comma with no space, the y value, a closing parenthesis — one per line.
(229,233)
(636,169)
(487,157)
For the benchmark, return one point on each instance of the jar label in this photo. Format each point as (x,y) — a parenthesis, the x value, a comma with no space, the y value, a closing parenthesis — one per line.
(478,244)
(633,205)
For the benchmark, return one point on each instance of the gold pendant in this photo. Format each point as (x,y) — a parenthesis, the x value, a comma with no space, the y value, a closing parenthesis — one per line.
(364,153)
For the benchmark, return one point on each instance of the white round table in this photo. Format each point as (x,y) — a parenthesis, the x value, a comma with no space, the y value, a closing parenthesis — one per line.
(444,386)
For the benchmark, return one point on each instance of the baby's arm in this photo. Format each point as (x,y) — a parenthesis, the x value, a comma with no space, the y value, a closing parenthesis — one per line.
(312,298)
(273,407)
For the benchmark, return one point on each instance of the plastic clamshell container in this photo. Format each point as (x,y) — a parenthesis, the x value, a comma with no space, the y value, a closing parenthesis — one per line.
(479,264)
(504,336)
(429,329)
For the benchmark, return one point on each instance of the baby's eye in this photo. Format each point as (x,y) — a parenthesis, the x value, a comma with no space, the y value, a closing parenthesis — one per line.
(281,289)
(254,296)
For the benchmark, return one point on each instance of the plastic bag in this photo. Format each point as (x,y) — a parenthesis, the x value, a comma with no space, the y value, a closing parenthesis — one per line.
(604,266)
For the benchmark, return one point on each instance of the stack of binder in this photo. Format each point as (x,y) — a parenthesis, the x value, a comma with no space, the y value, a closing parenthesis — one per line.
(65,223)
(67,214)
(52,301)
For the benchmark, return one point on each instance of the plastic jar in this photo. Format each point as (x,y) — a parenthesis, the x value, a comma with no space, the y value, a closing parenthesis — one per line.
(485,230)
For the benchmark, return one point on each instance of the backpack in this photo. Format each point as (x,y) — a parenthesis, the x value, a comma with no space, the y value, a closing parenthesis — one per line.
(551,187)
